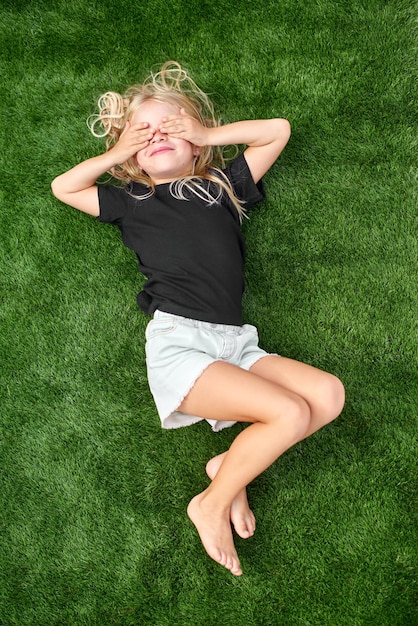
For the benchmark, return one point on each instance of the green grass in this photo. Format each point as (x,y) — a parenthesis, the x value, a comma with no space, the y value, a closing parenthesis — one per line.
(93,491)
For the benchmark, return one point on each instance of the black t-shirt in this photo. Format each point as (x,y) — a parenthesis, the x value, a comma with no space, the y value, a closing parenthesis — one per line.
(191,252)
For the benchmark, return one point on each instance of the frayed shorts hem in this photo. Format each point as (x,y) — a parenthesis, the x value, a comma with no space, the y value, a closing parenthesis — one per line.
(178,352)
(177,419)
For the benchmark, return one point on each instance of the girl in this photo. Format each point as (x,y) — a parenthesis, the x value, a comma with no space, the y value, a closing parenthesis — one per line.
(180,210)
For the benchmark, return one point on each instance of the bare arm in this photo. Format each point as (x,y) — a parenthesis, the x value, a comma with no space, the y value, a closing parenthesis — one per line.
(265,138)
(78,188)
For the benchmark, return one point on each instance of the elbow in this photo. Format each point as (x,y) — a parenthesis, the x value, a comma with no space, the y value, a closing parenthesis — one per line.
(279,131)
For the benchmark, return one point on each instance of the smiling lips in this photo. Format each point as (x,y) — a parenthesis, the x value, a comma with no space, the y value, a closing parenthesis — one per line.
(161,150)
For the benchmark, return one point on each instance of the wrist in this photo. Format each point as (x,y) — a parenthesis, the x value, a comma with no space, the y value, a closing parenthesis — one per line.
(109,159)
(213,136)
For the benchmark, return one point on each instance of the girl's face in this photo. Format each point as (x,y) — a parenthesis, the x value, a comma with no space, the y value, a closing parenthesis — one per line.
(165,158)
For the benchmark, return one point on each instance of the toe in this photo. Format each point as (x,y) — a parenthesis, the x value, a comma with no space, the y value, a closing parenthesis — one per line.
(234,566)
(245,528)
(217,555)
(236,571)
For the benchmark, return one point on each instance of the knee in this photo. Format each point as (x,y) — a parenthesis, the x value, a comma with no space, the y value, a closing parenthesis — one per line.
(297,414)
(213,465)
(331,397)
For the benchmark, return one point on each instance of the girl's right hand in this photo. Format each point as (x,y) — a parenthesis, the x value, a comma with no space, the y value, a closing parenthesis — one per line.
(133,139)
(78,187)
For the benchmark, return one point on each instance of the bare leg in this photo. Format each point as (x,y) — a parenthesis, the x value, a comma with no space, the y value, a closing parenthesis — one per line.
(323,392)
(255,448)
(280,418)
(242,517)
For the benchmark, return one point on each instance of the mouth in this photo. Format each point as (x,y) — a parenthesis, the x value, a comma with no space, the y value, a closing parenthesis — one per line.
(161,150)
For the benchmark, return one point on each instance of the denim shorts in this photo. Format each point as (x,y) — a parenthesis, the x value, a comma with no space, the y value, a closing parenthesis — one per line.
(178,350)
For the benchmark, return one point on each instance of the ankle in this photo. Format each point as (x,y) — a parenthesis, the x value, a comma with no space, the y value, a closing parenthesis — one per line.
(211,503)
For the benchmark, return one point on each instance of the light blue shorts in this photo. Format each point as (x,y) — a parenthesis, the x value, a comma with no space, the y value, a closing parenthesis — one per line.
(178,350)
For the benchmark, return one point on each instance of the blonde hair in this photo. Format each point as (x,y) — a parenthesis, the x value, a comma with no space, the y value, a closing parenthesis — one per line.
(171,84)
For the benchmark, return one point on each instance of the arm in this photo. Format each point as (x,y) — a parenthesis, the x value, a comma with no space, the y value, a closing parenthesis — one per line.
(265,138)
(78,188)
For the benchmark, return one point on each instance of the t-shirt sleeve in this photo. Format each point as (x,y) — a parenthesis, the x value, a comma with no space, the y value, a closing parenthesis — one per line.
(113,203)
(242,182)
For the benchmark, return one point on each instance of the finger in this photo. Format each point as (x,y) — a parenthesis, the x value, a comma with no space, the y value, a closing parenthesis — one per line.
(136,140)
(141,134)
(168,122)
(175,117)
(174,125)
(139,126)
(132,133)
(171,129)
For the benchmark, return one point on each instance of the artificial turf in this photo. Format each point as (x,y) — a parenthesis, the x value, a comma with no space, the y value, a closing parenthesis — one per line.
(93,492)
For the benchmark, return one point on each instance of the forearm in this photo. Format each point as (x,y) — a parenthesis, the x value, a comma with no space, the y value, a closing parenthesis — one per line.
(78,188)
(83,175)
(252,133)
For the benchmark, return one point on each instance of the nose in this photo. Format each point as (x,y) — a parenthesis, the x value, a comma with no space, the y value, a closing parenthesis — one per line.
(158,136)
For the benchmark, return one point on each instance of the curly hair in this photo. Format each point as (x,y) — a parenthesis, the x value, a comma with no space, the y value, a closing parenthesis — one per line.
(171,84)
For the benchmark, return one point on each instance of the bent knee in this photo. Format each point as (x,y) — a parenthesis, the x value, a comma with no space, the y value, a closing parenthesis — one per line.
(331,396)
(297,413)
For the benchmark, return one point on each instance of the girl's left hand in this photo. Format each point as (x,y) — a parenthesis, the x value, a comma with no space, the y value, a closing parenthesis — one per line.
(185,127)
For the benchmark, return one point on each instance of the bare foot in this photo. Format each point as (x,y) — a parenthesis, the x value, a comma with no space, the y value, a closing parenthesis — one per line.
(242,517)
(215,533)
